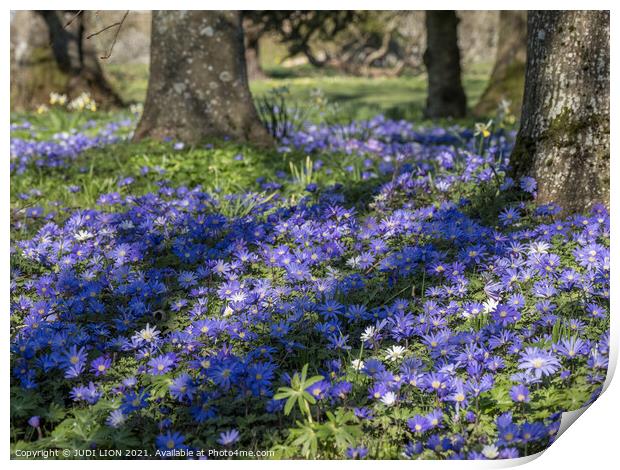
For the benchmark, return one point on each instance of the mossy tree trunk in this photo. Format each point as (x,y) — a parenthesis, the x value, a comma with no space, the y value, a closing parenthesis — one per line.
(508,75)
(50,56)
(198,86)
(446,97)
(563,140)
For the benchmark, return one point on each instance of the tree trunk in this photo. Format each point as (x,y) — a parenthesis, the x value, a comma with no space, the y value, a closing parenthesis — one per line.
(252,34)
(48,56)
(446,97)
(198,86)
(508,76)
(563,140)
(252,60)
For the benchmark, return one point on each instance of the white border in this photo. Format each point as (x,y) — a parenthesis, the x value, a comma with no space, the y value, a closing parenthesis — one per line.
(591,444)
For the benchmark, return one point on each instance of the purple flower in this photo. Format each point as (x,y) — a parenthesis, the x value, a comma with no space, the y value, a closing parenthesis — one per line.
(318,389)
(170,440)
(356,452)
(528,184)
(228,438)
(100,365)
(89,394)
(509,216)
(506,314)
(161,364)
(540,362)
(34,421)
(520,394)
(418,424)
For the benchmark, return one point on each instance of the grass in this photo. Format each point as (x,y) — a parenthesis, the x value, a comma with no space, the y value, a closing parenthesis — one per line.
(224,168)
(219,169)
(357,97)
(216,169)
(362,98)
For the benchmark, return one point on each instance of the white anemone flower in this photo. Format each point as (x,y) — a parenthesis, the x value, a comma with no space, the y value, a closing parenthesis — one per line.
(490,451)
(83,235)
(116,419)
(148,334)
(490,305)
(389,399)
(395,353)
(126,225)
(369,333)
(539,248)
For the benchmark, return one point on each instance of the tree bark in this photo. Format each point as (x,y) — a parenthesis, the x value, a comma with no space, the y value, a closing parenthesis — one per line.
(508,76)
(446,97)
(198,86)
(563,140)
(48,56)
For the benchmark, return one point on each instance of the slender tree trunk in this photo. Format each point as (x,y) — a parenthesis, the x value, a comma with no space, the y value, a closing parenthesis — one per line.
(508,76)
(446,97)
(198,86)
(563,141)
(252,59)
(252,34)
(48,55)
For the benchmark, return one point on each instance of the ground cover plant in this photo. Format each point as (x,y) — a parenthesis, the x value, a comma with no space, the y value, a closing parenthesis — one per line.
(371,289)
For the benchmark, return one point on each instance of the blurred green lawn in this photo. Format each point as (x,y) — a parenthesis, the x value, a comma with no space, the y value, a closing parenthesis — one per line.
(357,98)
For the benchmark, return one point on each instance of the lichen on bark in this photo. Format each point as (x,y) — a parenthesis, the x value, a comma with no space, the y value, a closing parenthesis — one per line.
(563,140)
(198,87)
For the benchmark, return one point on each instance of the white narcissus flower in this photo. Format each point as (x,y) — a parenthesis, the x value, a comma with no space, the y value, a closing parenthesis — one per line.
(57,98)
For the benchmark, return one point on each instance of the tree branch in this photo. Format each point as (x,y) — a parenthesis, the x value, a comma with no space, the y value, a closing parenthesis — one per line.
(119,25)
(68,23)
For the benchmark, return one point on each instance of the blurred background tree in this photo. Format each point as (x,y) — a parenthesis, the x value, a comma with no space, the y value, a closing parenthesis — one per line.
(51,53)
(508,74)
(442,58)
(278,44)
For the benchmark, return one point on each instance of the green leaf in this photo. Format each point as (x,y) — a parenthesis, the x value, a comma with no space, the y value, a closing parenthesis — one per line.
(312,380)
(309,398)
(289,406)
